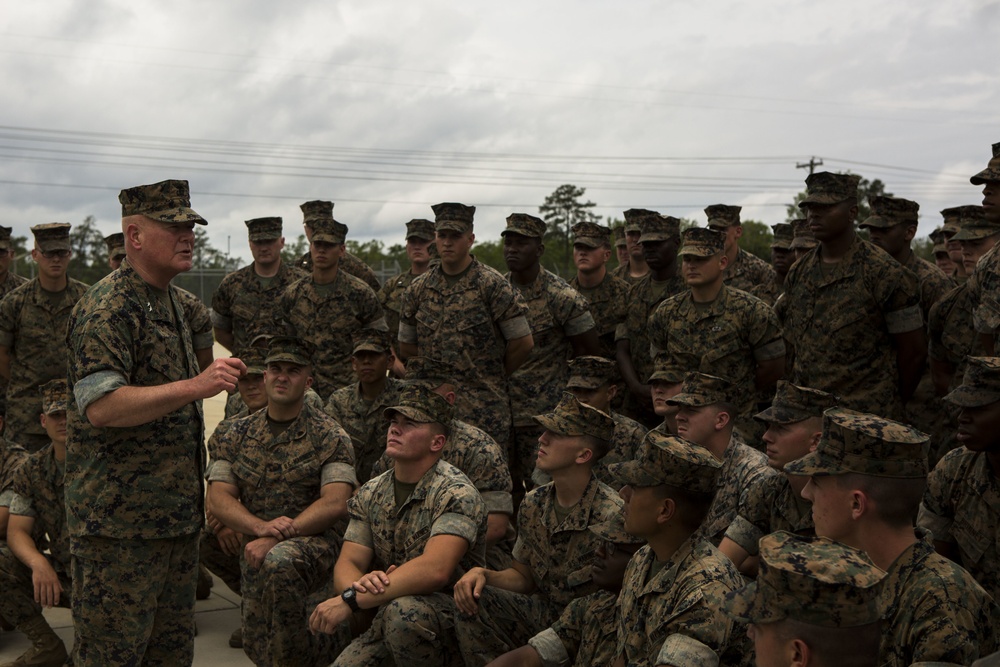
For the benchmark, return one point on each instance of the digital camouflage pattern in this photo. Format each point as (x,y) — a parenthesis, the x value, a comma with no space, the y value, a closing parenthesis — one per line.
(571,417)
(672,460)
(748,271)
(39,493)
(523,224)
(888,211)
(841,320)
(770,505)
(443,503)
(351,264)
(17,605)
(934,610)
(363,422)
(812,580)
(581,636)
(932,282)
(743,468)
(728,339)
(247,305)
(768,292)
(476,454)
(980,384)
(559,557)
(992,170)
(391,297)
(702,242)
(166,201)
(117,484)
(452,216)
(282,476)
(263,229)
(700,389)
(824,187)
(467,324)
(660,613)
(864,444)
(793,404)
(625,442)
(198,318)
(116,245)
(33,329)
(327,316)
(608,304)
(802,236)
(723,215)
(555,313)
(952,337)
(52,236)
(11,457)
(961,506)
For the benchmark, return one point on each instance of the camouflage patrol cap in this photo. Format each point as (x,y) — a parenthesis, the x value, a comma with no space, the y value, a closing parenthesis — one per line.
(723,215)
(572,418)
(5,233)
(992,171)
(116,245)
(523,224)
(824,187)
(793,404)
(371,340)
(952,220)
(667,369)
(701,389)
(591,234)
(590,372)
(974,224)
(264,229)
(316,209)
(419,403)
(669,459)
(702,242)
(419,228)
(52,236)
(614,531)
(431,372)
(166,201)
(254,358)
(890,211)
(863,443)
(55,396)
(981,384)
(328,231)
(659,228)
(937,236)
(802,236)
(814,580)
(453,216)
(783,235)
(633,218)
(619,236)
(290,350)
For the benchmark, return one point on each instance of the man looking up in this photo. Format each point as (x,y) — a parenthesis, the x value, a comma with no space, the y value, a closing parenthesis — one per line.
(135,452)
(33,319)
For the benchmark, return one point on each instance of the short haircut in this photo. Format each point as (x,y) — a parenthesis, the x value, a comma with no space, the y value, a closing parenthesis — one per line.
(692,506)
(843,647)
(599,446)
(896,499)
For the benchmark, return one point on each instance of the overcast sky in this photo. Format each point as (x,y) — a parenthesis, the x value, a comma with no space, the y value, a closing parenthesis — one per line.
(388,107)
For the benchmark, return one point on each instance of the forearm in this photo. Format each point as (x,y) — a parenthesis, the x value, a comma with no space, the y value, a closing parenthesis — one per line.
(24,549)
(407,350)
(623,353)
(232,513)
(516,353)
(942,374)
(496,527)
(5,363)
(911,366)
(204,357)
(511,580)
(224,338)
(321,515)
(132,405)
(419,576)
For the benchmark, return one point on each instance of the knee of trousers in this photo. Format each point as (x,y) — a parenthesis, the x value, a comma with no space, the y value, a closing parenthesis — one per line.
(409,620)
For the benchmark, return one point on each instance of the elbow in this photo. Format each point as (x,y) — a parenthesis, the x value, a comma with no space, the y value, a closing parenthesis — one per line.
(96,417)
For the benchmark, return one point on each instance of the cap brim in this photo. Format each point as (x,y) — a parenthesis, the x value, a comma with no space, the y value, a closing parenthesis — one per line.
(633,473)
(968,397)
(550,423)
(782,245)
(369,347)
(265,236)
(974,233)
(877,222)
(654,237)
(327,238)
(452,226)
(47,246)
(691,400)
(287,358)
(696,251)
(420,235)
(780,415)
(813,463)
(410,413)
(58,406)
(180,214)
(822,199)
(581,382)
(741,604)
(588,241)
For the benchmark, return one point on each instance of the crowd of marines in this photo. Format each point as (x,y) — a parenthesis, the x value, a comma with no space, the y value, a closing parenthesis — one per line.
(699,458)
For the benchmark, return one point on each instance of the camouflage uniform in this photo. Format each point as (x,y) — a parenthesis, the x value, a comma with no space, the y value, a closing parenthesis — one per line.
(326,316)
(247,305)
(747,272)
(559,557)
(624,444)
(666,617)
(391,293)
(814,581)
(282,476)
(985,282)
(33,330)
(9,282)
(134,495)
(608,301)
(841,319)
(769,505)
(480,458)
(11,457)
(728,339)
(198,318)
(580,636)
(467,325)
(443,503)
(351,264)
(932,281)
(935,609)
(555,312)
(363,421)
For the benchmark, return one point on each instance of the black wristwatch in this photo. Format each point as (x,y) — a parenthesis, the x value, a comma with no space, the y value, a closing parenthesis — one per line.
(350,596)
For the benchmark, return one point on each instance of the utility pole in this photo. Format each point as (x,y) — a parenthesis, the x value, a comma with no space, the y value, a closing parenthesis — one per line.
(811,165)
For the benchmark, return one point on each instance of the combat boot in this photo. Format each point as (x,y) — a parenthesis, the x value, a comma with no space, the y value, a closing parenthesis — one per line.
(47,650)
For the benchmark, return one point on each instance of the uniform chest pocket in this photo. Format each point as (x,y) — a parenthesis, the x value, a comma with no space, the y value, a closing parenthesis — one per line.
(300,468)
(727,345)
(248,471)
(428,319)
(972,541)
(244,311)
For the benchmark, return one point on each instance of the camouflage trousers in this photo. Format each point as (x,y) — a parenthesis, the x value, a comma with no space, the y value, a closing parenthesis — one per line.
(505,622)
(219,563)
(133,601)
(276,607)
(410,631)
(17,603)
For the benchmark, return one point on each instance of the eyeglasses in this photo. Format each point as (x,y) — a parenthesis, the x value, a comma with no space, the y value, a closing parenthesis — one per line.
(51,254)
